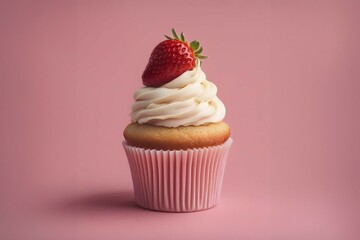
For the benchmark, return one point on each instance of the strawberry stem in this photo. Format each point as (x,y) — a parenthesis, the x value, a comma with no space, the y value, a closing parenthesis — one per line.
(174,34)
(194,45)
(182,37)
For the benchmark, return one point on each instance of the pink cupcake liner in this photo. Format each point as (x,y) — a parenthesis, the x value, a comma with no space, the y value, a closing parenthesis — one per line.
(177,180)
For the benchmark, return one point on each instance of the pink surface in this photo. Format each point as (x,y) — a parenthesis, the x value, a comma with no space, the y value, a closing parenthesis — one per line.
(288,72)
(178,181)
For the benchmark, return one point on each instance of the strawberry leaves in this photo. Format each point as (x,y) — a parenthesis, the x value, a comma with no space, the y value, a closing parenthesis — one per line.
(194,45)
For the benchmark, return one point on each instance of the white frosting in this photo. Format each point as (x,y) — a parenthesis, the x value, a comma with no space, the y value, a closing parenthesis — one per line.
(187,100)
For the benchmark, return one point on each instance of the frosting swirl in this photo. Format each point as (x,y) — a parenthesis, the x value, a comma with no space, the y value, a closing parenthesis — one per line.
(187,100)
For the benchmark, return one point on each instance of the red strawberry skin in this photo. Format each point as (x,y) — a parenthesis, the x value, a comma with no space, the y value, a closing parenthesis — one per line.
(168,60)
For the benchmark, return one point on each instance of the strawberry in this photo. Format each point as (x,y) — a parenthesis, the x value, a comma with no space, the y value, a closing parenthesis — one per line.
(170,59)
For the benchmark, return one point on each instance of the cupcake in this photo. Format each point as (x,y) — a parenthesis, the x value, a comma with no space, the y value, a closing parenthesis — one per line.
(177,143)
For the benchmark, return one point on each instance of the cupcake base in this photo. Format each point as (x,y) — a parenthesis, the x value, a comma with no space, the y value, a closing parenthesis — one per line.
(177,180)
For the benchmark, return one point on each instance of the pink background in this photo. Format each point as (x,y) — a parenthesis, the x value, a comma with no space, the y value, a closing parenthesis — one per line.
(288,72)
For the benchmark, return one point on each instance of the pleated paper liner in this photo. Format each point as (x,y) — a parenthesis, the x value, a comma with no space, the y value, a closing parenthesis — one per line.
(178,180)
